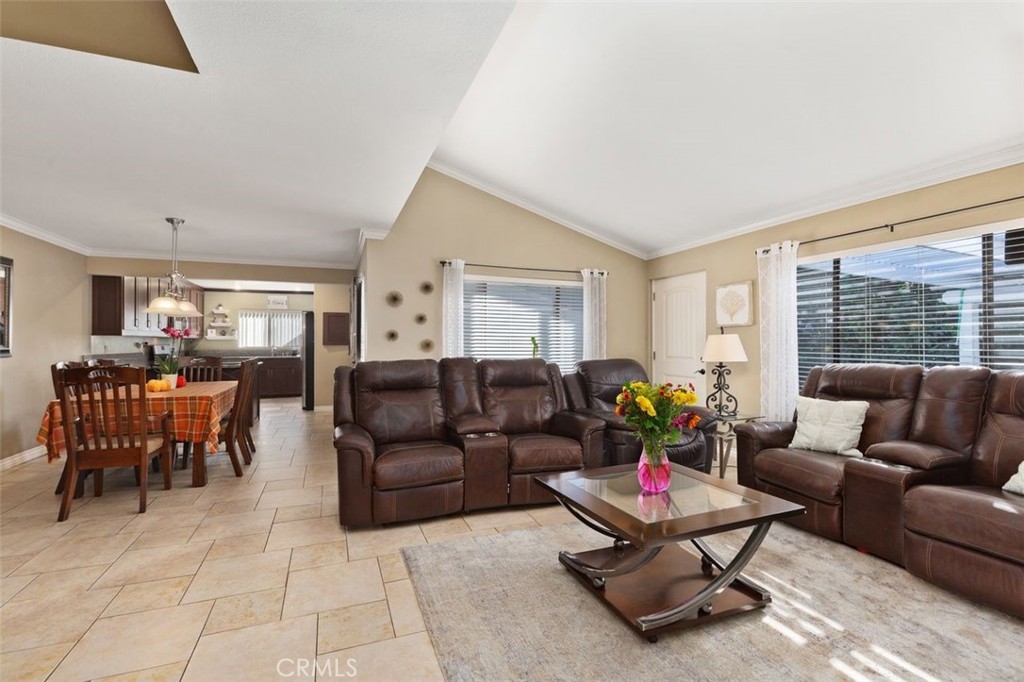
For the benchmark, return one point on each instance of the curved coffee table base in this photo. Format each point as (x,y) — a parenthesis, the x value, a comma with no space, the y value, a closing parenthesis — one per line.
(656,589)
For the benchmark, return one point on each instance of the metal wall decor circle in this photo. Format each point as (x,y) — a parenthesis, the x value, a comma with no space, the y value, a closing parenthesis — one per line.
(427,287)
(426,345)
(420,319)
(394,298)
(391,335)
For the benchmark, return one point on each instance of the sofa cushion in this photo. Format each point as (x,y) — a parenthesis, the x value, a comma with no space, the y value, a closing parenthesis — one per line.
(890,391)
(814,474)
(399,400)
(829,425)
(948,408)
(1016,483)
(999,449)
(529,452)
(977,517)
(408,465)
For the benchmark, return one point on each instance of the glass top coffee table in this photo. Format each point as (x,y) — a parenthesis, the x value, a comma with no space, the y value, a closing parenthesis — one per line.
(645,576)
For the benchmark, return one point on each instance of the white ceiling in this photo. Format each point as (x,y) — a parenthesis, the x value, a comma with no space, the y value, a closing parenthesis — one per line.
(652,126)
(307,123)
(657,126)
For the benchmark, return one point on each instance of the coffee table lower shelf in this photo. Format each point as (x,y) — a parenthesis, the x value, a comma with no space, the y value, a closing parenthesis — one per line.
(672,578)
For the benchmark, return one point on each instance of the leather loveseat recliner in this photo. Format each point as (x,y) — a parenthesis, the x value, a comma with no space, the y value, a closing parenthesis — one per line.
(418,438)
(939,444)
(592,389)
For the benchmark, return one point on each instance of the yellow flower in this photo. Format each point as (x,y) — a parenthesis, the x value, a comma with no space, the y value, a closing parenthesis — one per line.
(684,398)
(646,405)
(637,385)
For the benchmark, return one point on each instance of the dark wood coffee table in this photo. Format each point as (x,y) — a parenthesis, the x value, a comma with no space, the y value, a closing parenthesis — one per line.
(645,576)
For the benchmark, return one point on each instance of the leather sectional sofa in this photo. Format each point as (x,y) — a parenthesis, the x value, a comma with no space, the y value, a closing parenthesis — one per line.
(592,390)
(939,444)
(421,438)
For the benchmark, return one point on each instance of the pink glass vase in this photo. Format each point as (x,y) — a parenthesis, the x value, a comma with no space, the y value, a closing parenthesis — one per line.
(654,472)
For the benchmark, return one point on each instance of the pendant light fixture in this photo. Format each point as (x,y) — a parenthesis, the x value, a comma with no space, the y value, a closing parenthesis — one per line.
(173,302)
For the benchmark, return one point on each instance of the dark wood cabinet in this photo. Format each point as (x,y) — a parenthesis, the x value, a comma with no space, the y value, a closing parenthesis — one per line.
(280,377)
(107,305)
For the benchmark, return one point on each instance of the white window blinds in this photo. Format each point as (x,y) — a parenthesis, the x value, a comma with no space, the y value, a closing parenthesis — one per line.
(269,328)
(953,302)
(500,317)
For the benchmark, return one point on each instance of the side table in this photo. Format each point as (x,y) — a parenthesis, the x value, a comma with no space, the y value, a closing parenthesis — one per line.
(725,437)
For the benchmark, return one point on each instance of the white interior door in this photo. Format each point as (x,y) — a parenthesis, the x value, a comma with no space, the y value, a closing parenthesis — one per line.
(679,319)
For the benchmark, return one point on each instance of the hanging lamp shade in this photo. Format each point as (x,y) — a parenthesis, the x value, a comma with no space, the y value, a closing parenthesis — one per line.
(164,305)
(188,309)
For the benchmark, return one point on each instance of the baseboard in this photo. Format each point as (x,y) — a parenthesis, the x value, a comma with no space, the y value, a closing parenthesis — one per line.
(323,408)
(22,457)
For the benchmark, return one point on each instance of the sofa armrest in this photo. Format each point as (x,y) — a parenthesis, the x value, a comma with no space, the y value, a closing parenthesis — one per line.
(752,438)
(472,424)
(917,455)
(589,431)
(351,438)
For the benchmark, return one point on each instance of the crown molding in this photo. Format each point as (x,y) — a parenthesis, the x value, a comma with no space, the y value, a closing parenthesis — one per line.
(43,235)
(377,233)
(495,191)
(925,176)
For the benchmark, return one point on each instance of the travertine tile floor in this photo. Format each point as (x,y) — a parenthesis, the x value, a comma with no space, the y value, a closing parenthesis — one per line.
(247,579)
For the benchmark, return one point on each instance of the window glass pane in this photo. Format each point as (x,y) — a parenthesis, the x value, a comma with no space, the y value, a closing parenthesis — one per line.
(923,304)
(500,317)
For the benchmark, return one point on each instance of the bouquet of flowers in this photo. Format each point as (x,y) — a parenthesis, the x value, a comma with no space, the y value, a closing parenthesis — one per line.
(169,364)
(657,413)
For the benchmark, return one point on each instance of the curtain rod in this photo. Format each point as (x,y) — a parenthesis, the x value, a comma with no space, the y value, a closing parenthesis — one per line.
(893,226)
(513,267)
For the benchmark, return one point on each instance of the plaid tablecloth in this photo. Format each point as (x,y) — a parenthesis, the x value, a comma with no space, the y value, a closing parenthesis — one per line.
(196,411)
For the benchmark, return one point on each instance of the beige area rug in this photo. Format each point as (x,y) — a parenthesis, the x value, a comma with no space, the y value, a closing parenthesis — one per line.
(502,607)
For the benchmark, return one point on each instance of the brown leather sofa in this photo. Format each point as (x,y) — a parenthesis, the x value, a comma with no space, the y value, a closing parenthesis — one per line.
(938,446)
(592,389)
(418,438)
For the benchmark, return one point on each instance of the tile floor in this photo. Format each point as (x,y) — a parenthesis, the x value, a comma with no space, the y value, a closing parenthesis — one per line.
(247,579)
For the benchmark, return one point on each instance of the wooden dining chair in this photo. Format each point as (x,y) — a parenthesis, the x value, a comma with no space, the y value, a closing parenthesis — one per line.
(55,375)
(204,368)
(106,425)
(232,432)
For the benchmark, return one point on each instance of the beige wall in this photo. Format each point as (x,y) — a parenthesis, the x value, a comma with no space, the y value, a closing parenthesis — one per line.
(734,260)
(51,318)
(330,298)
(445,218)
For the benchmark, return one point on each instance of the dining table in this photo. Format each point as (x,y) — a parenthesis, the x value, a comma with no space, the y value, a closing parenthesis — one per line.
(196,412)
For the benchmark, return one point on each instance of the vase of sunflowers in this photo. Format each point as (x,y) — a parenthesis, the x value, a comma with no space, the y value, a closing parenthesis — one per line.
(658,413)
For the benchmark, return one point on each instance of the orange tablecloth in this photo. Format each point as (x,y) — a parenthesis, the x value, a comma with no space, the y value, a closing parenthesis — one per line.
(196,411)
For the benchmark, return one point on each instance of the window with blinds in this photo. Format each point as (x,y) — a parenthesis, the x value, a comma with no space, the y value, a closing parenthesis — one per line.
(499,317)
(269,328)
(954,302)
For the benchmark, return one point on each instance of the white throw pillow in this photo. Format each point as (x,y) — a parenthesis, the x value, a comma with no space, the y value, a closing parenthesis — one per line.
(829,425)
(1016,482)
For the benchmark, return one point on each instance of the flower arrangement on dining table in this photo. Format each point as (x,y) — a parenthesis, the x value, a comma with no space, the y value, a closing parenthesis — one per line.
(658,413)
(169,364)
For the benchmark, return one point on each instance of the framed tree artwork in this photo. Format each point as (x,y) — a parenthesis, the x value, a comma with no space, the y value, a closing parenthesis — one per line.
(732,305)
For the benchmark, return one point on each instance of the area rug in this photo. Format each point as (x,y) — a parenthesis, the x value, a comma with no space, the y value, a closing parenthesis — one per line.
(502,607)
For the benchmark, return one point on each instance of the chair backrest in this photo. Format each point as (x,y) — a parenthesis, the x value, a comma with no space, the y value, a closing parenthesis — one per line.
(343,400)
(461,387)
(243,394)
(948,409)
(55,371)
(398,401)
(204,368)
(999,449)
(603,380)
(517,394)
(104,408)
(889,390)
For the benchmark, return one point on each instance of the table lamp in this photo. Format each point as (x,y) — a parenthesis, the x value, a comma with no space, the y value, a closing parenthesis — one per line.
(723,348)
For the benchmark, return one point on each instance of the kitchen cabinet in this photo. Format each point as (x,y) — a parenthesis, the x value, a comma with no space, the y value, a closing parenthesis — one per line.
(280,377)
(119,306)
(107,305)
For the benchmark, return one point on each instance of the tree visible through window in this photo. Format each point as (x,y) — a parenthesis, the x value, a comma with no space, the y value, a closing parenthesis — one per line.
(959,301)
(500,317)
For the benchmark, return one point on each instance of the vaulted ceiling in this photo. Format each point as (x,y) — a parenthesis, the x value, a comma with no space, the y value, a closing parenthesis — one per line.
(651,126)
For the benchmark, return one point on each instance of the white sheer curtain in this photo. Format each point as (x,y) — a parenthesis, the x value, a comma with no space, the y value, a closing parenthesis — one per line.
(452,308)
(595,334)
(776,278)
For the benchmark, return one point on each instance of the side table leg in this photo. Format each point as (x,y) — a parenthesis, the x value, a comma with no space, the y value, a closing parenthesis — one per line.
(199,464)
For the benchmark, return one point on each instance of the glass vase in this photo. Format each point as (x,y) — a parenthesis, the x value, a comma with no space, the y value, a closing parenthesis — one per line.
(654,472)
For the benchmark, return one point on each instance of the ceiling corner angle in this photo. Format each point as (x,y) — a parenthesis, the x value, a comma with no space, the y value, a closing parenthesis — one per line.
(39,233)
(483,186)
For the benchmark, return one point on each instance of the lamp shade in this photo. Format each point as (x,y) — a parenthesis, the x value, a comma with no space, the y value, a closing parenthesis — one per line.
(164,305)
(724,348)
(188,309)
